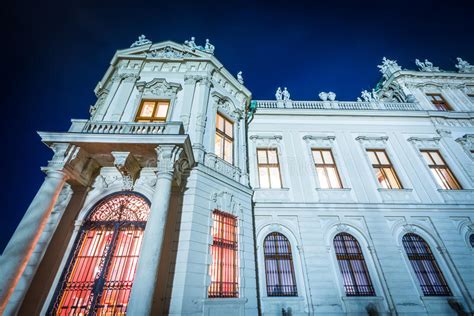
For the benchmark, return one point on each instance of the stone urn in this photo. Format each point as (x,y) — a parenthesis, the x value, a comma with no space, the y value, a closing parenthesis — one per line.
(331,96)
(323,96)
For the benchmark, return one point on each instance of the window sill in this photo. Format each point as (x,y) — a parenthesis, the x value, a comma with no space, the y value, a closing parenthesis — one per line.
(283,298)
(225,300)
(457,196)
(272,189)
(362,298)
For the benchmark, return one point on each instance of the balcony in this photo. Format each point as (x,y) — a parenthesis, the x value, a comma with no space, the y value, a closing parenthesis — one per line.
(337,105)
(126,128)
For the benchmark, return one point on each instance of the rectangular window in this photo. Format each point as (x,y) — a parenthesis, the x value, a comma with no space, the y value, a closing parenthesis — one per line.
(440,170)
(224,142)
(268,169)
(383,169)
(224,277)
(326,169)
(439,102)
(153,111)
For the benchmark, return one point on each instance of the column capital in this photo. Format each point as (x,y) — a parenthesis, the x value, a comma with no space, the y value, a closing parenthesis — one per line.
(171,161)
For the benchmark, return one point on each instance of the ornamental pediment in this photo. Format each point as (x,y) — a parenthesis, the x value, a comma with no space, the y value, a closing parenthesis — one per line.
(164,50)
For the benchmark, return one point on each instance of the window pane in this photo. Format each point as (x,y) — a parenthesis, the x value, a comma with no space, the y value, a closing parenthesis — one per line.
(220,122)
(263,177)
(333,178)
(437,158)
(372,157)
(272,156)
(162,110)
(317,157)
(439,178)
(229,129)
(228,151)
(327,156)
(452,183)
(381,178)
(392,178)
(275,177)
(262,156)
(219,146)
(147,109)
(427,157)
(382,157)
(323,181)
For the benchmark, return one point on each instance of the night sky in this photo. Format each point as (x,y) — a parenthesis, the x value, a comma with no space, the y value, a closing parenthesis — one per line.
(53,55)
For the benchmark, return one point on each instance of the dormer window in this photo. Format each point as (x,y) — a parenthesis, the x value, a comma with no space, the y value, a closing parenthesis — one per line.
(224,142)
(439,102)
(153,111)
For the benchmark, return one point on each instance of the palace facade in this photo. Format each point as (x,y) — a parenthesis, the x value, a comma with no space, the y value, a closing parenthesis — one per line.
(181,195)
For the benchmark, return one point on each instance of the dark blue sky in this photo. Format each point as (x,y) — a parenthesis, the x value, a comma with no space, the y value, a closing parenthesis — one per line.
(54,54)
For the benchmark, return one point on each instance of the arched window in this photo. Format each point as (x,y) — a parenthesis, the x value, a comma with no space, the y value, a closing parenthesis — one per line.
(471,240)
(99,274)
(424,264)
(279,271)
(352,265)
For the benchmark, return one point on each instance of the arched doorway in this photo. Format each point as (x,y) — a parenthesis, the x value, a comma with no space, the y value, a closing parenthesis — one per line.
(98,276)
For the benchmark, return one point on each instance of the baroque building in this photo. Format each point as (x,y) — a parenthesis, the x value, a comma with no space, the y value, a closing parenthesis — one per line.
(181,195)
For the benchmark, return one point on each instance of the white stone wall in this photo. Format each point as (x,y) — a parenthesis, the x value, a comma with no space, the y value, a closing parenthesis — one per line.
(310,216)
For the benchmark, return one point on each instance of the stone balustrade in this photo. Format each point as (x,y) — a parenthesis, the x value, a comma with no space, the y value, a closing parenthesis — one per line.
(338,105)
(134,128)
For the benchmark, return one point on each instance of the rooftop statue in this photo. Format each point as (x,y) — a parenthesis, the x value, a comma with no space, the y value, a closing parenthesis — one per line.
(278,94)
(426,66)
(368,96)
(464,66)
(191,43)
(240,79)
(388,67)
(286,95)
(142,40)
(323,96)
(208,47)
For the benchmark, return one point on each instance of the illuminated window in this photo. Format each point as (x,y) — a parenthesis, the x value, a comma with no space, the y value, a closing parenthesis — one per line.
(224,138)
(424,264)
(268,169)
(153,111)
(352,265)
(439,102)
(279,271)
(440,170)
(224,277)
(383,169)
(100,271)
(326,169)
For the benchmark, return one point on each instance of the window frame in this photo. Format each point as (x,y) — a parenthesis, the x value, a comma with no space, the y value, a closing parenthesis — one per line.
(278,258)
(224,136)
(153,118)
(268,166)
(381,166)
(222,245)
(440,105)
(436,166)
(325,165)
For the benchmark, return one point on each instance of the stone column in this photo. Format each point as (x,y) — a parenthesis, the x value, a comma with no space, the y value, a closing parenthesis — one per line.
(119,102)
(146,278)
(23,241)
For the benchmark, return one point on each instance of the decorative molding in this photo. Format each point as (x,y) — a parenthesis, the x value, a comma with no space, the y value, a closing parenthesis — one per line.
(226,202)
(443,132)
(265,137)
(323,141)
(128,167)
(467,141)
(372,141)
(101,96)
(425,142)
(159,87)
(225,105)
(169,52)
(221,166)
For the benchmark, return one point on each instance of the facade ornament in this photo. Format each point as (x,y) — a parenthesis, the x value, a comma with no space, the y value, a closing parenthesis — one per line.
(129,77)
(101,96)
(426,66)
(342,228)
(331,96)
(408,228)
(240,78)
(368,96)
(142,40)
(208,47)
(286,95)
(278,94)
(464,66)
(169,52)
(128,167)
(388,67)
(323,96)
(159,87)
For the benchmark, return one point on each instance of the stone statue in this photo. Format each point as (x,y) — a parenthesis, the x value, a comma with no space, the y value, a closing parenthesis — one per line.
(331,96)
(368,96)
(286,95)
(464,67)
(375,97)
(388,67)
(323,96)
(191,43)
(426,66)
(208,47)
(240,79)
(142,40)
(278,94)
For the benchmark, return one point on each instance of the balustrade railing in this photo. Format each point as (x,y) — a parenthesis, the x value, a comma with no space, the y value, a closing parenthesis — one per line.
(337,105)
(104,127)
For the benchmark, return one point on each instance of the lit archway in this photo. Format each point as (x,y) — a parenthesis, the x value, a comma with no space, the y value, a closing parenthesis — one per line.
(99,274)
